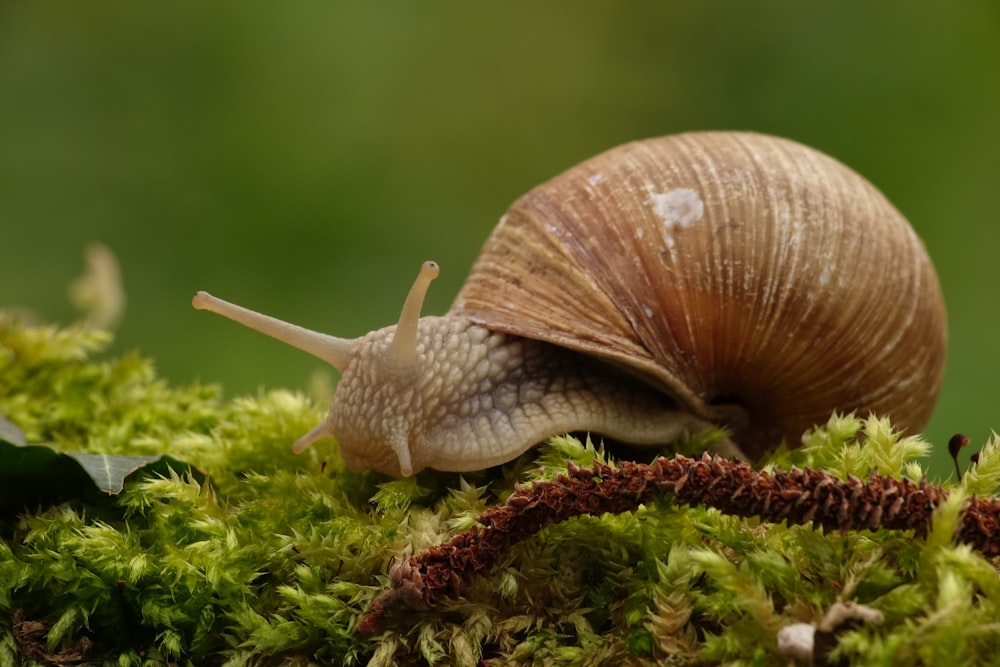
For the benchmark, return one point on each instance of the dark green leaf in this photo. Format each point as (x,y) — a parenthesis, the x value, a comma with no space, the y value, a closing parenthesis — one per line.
(11,432)
(34,475)
(108,473)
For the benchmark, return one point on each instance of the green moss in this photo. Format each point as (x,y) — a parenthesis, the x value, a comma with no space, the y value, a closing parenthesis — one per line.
(274,557)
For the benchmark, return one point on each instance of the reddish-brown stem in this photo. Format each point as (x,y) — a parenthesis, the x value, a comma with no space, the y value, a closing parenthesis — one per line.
(796,496)
(955,445)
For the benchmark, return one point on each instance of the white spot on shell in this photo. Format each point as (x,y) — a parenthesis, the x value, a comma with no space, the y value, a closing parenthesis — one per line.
(824,277)
(639,232)
(595,179)
(680,207)
(648,311)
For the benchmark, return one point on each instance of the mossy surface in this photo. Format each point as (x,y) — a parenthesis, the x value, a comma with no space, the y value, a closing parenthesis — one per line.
(272,557)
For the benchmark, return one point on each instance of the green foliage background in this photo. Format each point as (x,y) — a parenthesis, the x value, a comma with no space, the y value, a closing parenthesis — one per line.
(304,158)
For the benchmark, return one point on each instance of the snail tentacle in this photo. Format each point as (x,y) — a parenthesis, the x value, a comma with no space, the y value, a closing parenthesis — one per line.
(335,351)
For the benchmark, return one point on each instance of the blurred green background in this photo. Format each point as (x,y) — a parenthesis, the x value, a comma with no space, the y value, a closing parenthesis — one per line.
(304,158)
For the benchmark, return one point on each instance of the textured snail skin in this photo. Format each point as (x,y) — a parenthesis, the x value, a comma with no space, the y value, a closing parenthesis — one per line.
(654,290)
(442,392)
(480,398)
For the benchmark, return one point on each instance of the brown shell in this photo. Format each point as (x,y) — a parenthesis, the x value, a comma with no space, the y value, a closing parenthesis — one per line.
(726,268)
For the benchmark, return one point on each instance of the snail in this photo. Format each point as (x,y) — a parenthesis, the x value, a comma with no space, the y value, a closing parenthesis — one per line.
(660,288)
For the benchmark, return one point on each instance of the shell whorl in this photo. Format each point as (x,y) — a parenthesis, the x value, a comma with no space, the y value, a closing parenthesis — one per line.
(726,268)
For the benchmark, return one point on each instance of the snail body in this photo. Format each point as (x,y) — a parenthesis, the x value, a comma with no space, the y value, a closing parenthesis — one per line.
(659,288)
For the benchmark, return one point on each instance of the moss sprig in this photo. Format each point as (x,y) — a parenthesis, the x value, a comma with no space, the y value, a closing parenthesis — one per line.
(275,558)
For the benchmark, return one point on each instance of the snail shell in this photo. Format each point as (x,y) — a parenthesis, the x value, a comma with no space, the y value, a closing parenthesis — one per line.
(732,270)
(660,287)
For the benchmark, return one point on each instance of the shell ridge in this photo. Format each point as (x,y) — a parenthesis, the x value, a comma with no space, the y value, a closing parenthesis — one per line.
(725,266)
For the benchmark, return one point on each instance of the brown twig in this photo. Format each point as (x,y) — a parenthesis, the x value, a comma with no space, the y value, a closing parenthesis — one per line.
(796,496)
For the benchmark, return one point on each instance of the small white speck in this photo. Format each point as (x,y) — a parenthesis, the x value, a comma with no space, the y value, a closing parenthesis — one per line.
(797,641)
(595,179)
(681,206)
(648,311)
(824,278)
(639,232)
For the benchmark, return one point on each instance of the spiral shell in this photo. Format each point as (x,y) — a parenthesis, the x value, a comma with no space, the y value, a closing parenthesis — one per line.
(758,282)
